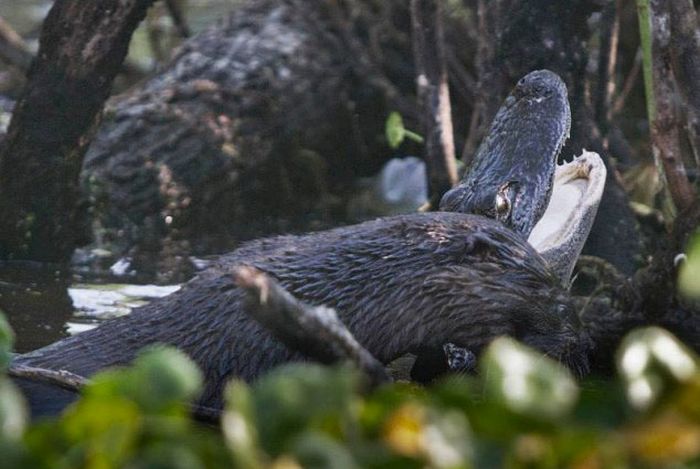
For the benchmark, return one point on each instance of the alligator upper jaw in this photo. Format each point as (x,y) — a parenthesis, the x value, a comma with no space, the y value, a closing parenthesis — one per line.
(562,231)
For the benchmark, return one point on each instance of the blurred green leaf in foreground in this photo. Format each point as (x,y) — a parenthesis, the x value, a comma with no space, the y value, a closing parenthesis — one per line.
(689,275)
(523,410)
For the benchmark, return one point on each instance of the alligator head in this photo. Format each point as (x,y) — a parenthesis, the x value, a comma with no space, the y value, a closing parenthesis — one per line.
(512,177)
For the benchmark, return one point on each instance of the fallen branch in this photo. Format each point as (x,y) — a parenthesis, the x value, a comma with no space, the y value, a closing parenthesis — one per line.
(75,383)
(313,331)
(61,378)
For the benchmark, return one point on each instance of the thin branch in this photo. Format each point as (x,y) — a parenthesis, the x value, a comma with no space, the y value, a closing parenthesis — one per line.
(13,50)
(178,18)
(685,52)
(627,87)
(488,12)
(433,96)
(75,383)
(609,34)
(313,331)
(61,378)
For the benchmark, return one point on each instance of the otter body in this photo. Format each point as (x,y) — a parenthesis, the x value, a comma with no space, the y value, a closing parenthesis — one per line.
(399,284)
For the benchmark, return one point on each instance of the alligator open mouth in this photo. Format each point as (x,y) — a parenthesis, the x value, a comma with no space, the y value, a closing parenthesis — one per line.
(561,233)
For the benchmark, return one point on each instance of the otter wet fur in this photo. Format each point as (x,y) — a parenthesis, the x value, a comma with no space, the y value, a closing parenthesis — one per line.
(398,283)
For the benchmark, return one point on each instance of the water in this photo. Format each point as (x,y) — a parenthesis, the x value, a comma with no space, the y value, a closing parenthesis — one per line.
(43,307)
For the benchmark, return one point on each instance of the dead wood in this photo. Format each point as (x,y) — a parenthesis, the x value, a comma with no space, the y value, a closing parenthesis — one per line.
(260,124)
(315,332)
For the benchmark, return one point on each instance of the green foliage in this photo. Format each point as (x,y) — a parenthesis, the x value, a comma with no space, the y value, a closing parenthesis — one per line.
(396,133)
(526,382)
(689,276)
(523,410)
(133,417)
(6,341)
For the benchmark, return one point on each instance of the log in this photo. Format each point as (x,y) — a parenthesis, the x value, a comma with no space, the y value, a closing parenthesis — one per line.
(259,125)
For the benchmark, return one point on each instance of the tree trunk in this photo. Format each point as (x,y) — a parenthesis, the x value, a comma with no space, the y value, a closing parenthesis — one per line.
(526,35)
(81,49)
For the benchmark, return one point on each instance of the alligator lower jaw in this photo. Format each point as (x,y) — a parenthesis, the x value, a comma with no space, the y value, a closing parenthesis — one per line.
(561,233)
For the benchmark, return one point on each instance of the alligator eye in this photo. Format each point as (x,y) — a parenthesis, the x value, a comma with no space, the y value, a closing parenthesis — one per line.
(502,204)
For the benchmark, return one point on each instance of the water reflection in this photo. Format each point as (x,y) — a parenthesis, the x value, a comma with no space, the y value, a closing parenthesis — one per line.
(35,301)
(42,306)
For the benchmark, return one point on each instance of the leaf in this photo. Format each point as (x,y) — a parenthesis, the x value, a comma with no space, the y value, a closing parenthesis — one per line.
(527,382)
(689,275)
(295,397)
(160,379)
(652,362)
(13,415)
(395,131)
(6,342)
(239,426)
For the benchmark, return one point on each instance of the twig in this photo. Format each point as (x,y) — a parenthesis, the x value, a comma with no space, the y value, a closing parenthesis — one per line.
(178,18)
(75,383)
(609,34)
(13,50)
(313,331)
(630,81)
(465,83)
(487,14)
(685,52)
(61,378)
(433,96)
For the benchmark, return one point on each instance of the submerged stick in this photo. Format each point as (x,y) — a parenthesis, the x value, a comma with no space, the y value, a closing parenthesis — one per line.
(313,331)
(75,383)
(61,378)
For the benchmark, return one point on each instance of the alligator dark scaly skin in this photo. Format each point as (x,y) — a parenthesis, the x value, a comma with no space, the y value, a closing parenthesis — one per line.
(518,157)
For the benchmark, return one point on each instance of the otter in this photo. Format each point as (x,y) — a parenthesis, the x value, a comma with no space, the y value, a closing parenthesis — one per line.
(400,284)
